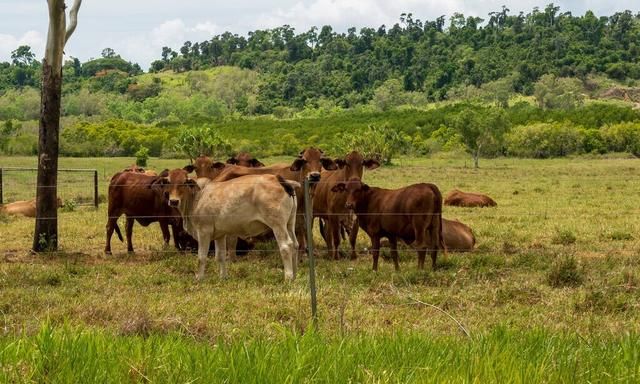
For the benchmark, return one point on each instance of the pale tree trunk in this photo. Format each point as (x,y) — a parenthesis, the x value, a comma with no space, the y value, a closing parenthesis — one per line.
(45,236)
(476,157)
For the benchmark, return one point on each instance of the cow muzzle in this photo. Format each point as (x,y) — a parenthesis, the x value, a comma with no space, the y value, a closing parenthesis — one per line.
(314,176)
(174,203)
(349,205)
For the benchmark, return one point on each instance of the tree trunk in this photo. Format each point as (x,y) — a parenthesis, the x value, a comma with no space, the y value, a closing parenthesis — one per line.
(476,155)
(46,232)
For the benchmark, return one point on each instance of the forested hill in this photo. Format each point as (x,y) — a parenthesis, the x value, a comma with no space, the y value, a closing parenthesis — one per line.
(437,58)
(513,84)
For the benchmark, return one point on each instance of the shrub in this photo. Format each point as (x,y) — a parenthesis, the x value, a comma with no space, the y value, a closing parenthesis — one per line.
(197,141)
(142,155)
(565,273)
(544,140)
(381,143)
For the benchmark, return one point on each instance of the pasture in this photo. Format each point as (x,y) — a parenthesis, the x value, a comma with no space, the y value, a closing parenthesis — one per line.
(552,292)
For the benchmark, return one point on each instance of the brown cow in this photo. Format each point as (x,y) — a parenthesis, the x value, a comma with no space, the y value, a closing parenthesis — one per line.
(204,166)
(330,206)
(309,163)
(245,159)
(458,237)
(458,198)
(23,207)
(412,214)
(137,169)
(134,195)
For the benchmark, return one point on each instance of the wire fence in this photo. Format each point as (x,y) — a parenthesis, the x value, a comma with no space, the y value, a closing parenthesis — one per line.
(77,185)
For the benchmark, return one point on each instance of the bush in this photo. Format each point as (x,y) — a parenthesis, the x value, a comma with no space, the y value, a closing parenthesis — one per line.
(142,155)
(197,141)
(380,143)
(623,137)
(544,140)
(565,273)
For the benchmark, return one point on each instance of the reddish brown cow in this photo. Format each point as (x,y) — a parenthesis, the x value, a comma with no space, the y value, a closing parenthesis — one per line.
(458,198)
(137,169)
(309,163)
(330,206)
(458,237)
(245,159)
(412,214)
(134,195)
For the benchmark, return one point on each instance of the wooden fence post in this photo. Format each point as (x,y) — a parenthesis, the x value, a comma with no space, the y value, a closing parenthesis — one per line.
(308,218)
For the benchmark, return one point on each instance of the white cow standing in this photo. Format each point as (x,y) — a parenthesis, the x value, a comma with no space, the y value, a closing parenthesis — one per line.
(243,207)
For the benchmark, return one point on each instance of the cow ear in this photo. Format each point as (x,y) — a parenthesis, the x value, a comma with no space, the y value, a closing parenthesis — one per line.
(328,164)
(164,173)
(191,184)
(189,168)
(218,165)
(256,163)
(365,187)
(340,163)
(157,183)
(371,164)
(297,165)
(340,187)
(232,160)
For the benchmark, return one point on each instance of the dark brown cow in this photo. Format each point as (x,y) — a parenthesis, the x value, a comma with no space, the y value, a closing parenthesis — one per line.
(330,206)
(458,237)
(412,214)
(309,163)
(245,159)
(134,195)
(457,198)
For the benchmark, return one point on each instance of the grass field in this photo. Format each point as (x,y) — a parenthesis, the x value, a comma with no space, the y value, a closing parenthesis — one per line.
(552,293)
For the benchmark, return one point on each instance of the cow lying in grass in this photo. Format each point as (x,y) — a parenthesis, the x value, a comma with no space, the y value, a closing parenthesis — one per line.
(458,198)
(23,207)
(243,207)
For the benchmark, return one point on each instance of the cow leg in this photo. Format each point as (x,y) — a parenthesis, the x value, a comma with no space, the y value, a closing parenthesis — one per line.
(291,230)
(175,232)
(287,251)
(232,243)
(111,225)
(393,242)
(221,251)
(129,230)
(333,228)
(422,253)
(301,235)
(375,251)
(164,227)
(203,252)
(353,237)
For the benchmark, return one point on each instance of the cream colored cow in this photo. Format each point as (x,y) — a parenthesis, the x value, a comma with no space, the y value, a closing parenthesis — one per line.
(243,207)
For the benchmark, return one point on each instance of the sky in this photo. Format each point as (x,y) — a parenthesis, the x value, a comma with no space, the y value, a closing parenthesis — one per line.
(138,29)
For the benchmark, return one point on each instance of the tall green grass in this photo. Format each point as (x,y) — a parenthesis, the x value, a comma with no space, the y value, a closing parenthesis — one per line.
(65,354)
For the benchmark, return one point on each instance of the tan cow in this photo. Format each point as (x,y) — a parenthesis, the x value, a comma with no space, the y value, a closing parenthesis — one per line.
(458,237)
(458,198)
(242,207)
(23,207)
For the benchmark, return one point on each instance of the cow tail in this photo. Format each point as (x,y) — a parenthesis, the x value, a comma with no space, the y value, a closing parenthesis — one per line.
(118,231)
(437,211)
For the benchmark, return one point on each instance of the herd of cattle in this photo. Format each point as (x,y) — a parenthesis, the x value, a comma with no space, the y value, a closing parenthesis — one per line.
(232,205)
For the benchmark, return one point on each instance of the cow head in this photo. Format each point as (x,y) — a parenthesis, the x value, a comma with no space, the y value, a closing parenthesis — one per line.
(355,190)
(353,165)
(176,186)
(311,161)
(206,167)
(244,159)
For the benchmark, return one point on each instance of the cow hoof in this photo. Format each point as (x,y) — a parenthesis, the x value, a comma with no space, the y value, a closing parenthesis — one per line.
(108,253)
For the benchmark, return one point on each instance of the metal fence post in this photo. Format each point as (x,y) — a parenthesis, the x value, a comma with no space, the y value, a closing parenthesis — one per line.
(308,221)
(1,187)
(95,187)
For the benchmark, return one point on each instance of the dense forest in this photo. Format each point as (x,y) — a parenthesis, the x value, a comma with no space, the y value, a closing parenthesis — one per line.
(500,83)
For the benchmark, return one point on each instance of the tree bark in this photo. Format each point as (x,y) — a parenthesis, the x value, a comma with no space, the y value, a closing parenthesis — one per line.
(46,231)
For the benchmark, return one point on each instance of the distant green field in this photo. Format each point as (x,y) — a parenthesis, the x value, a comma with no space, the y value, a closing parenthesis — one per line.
(551,294)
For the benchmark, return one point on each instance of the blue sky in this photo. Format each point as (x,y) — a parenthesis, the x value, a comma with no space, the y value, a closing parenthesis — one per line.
(138,29)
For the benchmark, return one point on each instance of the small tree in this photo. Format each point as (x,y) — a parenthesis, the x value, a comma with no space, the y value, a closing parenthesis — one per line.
(142,155)
(46,229)
(480,129)
(196,141)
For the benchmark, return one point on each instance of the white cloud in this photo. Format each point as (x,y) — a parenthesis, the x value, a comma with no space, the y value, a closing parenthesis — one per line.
(207,27)
(9,43)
